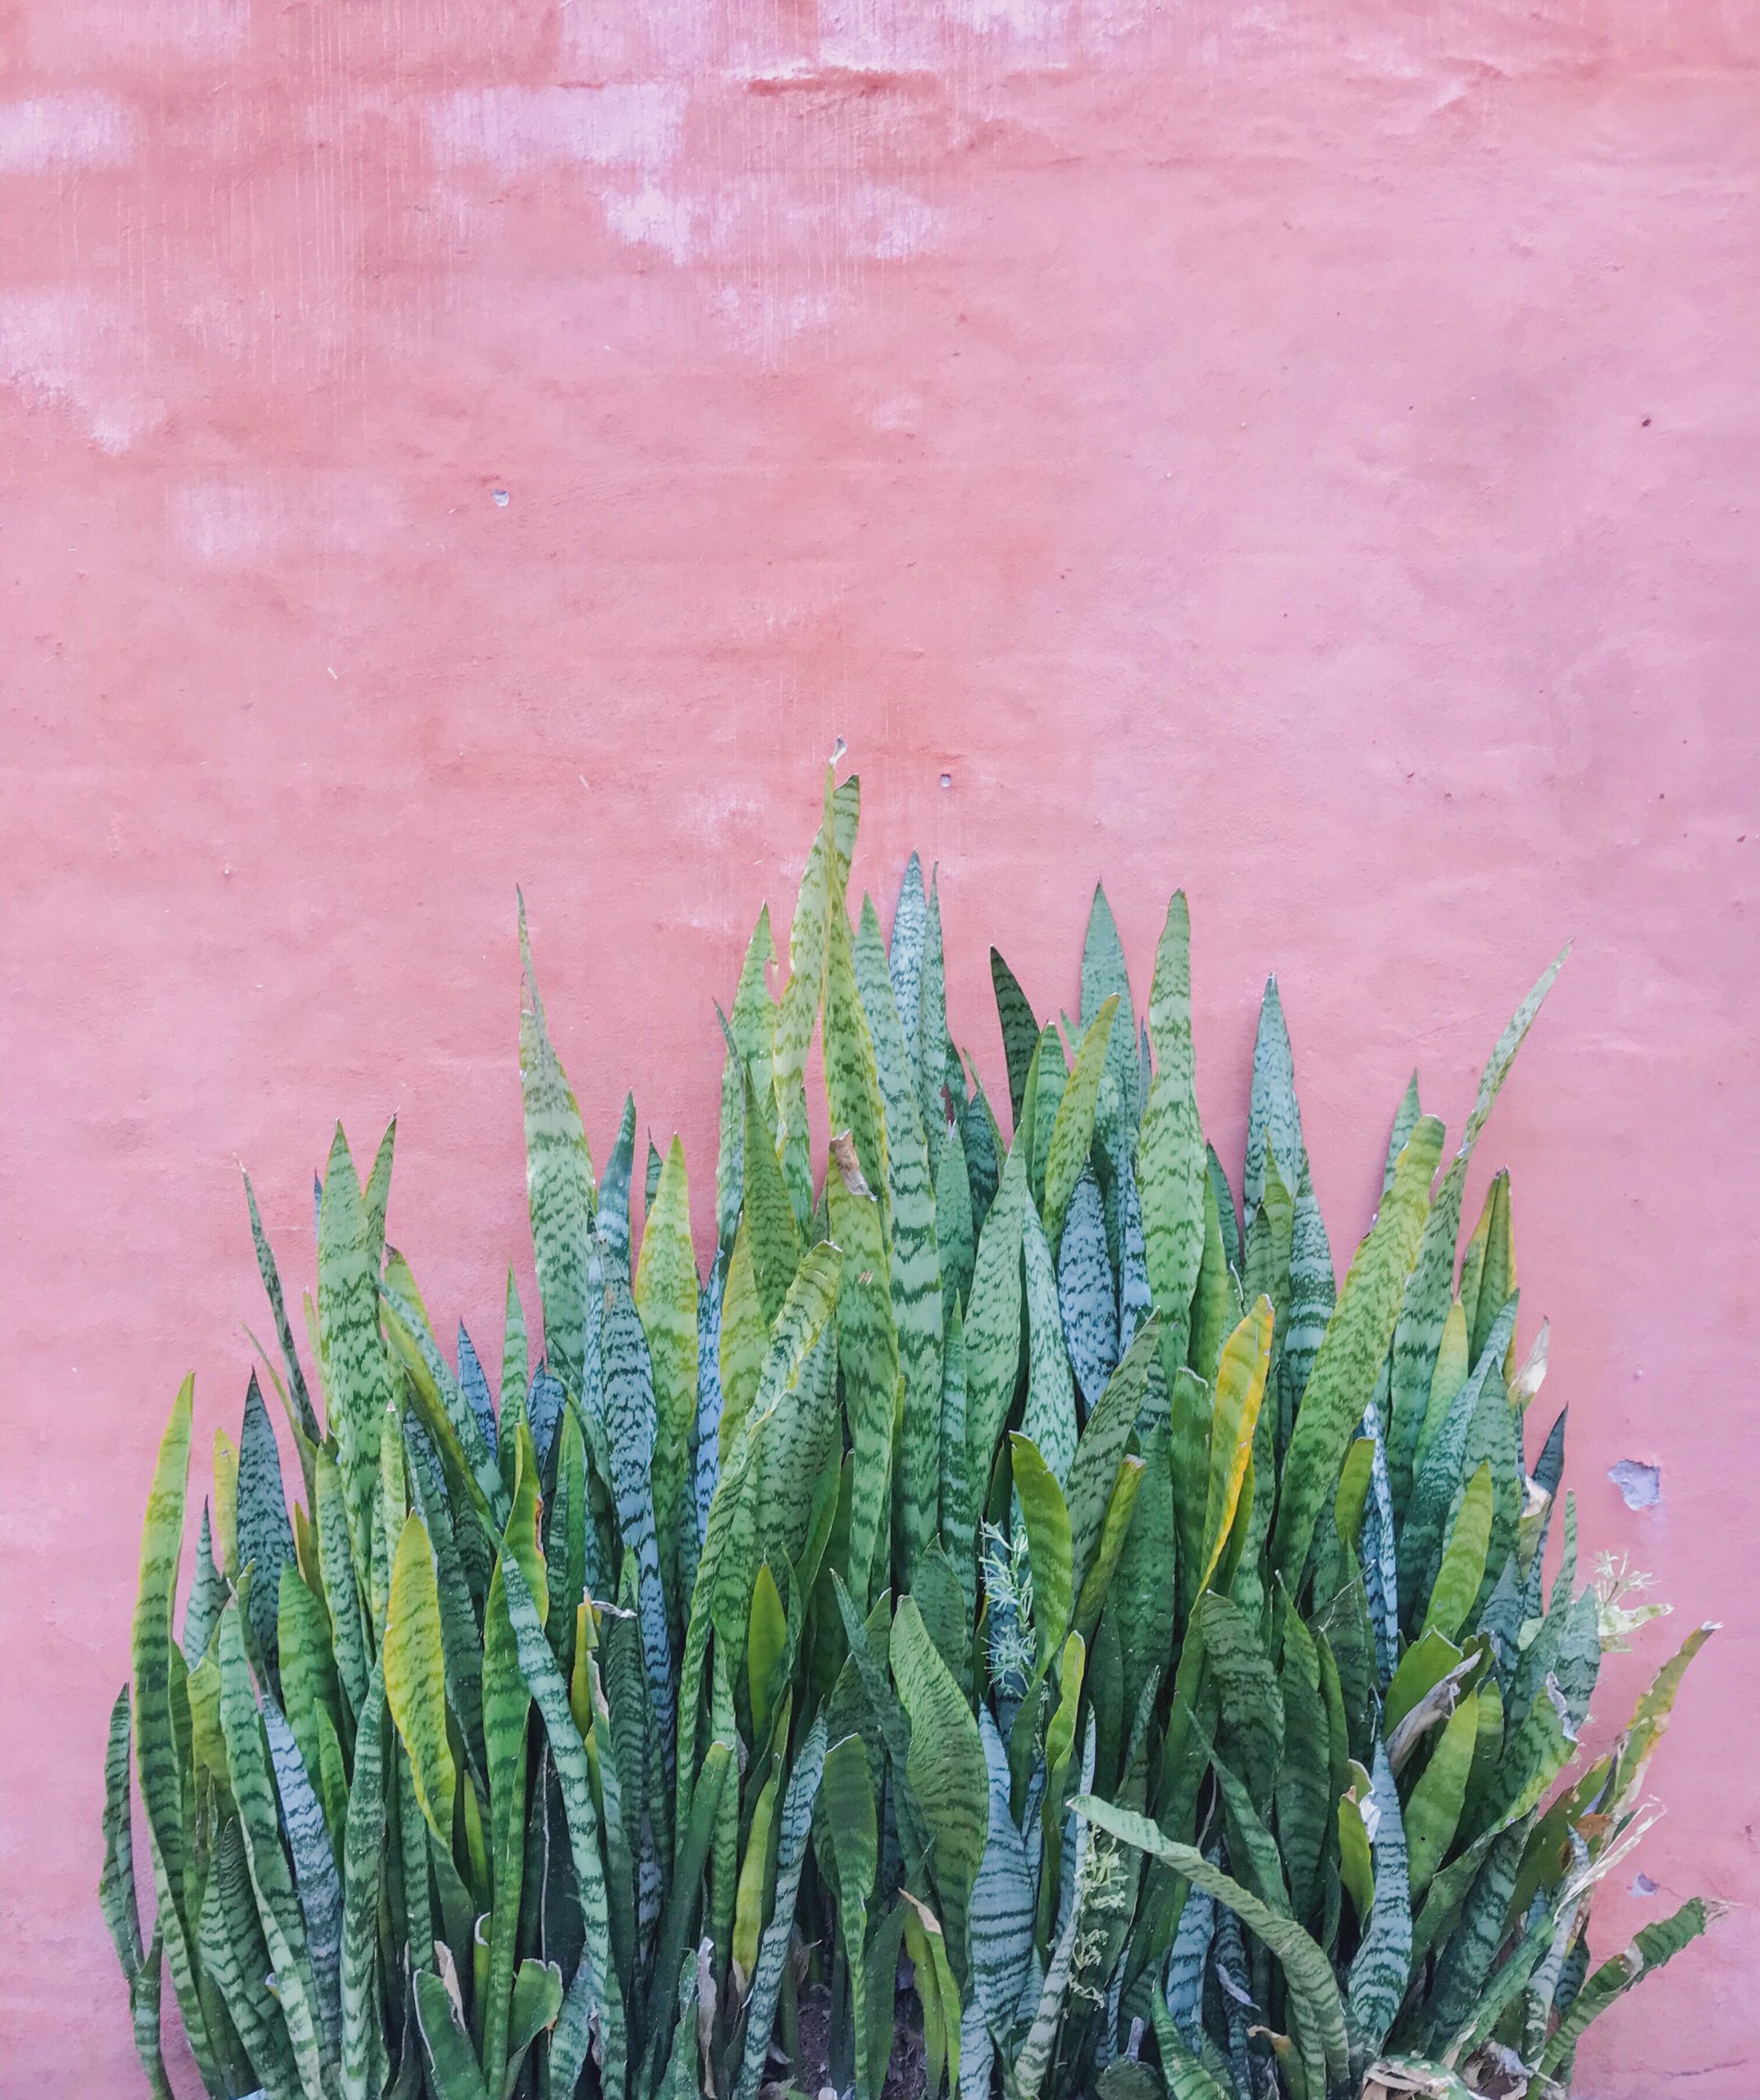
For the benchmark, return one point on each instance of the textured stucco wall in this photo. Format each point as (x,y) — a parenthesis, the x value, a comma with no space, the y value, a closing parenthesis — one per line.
(1306,451)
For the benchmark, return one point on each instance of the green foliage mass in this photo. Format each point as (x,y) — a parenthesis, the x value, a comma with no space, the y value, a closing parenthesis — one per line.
(1006,1566)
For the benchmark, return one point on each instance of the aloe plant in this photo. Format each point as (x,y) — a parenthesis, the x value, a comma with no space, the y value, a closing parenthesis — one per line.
(1007,1562)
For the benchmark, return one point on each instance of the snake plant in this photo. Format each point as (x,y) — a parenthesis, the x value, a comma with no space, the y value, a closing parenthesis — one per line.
(1012,1563)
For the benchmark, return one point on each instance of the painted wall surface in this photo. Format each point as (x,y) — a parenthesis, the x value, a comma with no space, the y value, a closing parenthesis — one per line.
(1307,452)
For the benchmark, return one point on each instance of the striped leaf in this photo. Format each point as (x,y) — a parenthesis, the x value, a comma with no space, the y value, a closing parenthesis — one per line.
(277,1905)
(846,1805)
(916,1283)
(1170,1156)
(357,1371)
(558,1180)
(794,1824)
(1433,1813)
(1094,1468)
(955,1222)
(1463,1562)
(666,1299)
(1654,1946)
(935,1059)
(1072,1134)
(1048,1544)
(770,1220)
(1383,1964)
(267,1268)
(593,1994)
(315,1876)
(1002,1899)
(1086,1295)
(1020,1030)
(364,1860)
(1423,1310)
(1312,1295)
(993,1319)
(1104,976)
(1241,1377)
(155,1734)
(237,1961)
(744,1336)
(867,1352)
(266,1537)
(1357,1339)
(904,960)
(1313,1991)
(1275,1116)
(415,1677)
(630,1426)
(959,1493)
(1049,1418)
(947,1768)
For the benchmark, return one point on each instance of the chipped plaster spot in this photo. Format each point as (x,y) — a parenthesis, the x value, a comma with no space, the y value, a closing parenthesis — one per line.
(1640,1485)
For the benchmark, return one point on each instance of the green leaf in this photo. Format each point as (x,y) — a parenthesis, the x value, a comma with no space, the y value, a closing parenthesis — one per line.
(266,1538)
(1357,1339)
(1425,1308)
(666,1301)
(357,1371)
(1241,1376)
(1073,1131)
(1086,1295)
(1654,1946)
(630,1426)
(1049,1416)
(1104,976)
(1383,1965)
(945,1766)
(769,1220)
(236,1958)
(852,1082)
(363,1859)
(270,1274)
(453,2067)
(1093,1470)
(868,1350)
(1048,1544)
(593,1993)
(1002,1903)
(559,1182)
(1252,1704)
(846,1801)
(1314,1992)
(1170,1155)
(993,1318)
(744,1336)
(415,1677)
(155,1731)
(1020,1030)
(315,1875)
(955,1222)
(277,1906)
(1463,1562)
(1433,1813)
(772,1952)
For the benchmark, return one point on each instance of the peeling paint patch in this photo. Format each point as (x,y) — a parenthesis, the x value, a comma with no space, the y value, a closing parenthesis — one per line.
(633,125)
(1640,1485)
(78,131)
(58,348)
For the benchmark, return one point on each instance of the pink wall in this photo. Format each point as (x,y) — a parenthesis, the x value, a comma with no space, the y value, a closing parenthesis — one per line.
(1306,452)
